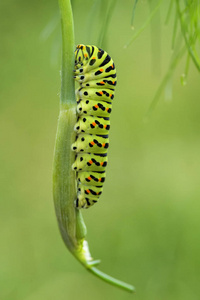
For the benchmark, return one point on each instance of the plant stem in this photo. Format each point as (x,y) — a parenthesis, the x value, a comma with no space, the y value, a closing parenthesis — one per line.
(67,80)
(111,280)
(172,66)
(189,44)
(64,190)
(148,20)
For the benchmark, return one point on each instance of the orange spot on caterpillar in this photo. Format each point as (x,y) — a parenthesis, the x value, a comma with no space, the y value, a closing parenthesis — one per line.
(105,126)
(94,124)
(101,163)
(101,93)
(107,108)
(88,191)
(96,106)
(113,82)
(103,144)
(89,178)
(102,82)
(85,55)
(99,179)
(112,66)
(90,161)
(101,70)
(110,95)
(94,57)
(92,143)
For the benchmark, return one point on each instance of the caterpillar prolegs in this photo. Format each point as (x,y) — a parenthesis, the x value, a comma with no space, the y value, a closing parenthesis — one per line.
(95,72)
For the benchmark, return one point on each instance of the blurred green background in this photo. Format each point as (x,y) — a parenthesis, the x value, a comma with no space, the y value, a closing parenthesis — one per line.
(146,227)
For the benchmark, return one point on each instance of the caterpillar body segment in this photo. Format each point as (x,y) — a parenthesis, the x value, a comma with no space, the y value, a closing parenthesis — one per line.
(94,108)
(91,178)
(95,94)
(91,144)
(90,162)
(108,83)
(84,200)
(99,73)
(91,124)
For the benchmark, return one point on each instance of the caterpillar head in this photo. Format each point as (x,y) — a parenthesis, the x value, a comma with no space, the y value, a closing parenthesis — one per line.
(81,56)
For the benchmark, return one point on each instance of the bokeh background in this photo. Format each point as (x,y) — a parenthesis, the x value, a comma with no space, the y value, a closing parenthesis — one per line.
(146,227)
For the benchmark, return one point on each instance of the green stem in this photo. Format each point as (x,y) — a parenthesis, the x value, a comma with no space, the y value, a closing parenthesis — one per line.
(172,66)
(64,191)
(67,80)
(142,28)
(106,16)
(174,31)
(187,41)
(133,13)
(169,12)
(70,221)
(111,280)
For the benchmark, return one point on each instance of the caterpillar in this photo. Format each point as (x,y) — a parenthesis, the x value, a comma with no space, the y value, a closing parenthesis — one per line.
(96,74)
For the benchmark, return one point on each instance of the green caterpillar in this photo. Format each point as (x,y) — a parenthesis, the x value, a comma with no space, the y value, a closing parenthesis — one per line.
(95,72)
